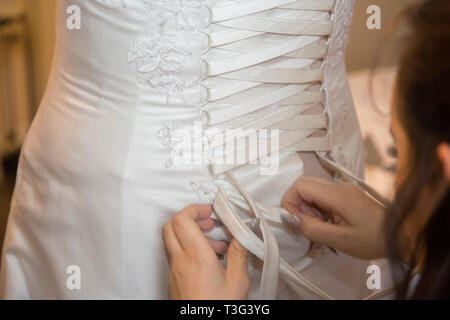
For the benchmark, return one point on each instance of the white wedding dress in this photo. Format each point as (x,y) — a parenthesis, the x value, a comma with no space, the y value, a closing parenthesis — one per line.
(97,177)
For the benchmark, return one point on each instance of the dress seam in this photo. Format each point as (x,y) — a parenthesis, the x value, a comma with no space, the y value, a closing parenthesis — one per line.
(122,194)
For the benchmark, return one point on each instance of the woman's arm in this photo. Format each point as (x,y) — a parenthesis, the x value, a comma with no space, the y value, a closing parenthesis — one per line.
(195,271)
(359,221)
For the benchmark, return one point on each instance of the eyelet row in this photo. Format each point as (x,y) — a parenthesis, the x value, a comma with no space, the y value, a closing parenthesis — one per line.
(204,65)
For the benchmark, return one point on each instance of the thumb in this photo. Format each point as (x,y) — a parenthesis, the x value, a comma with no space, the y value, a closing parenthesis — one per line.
(237,262)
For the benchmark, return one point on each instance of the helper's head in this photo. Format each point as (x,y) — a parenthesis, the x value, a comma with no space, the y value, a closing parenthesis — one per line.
(421,128)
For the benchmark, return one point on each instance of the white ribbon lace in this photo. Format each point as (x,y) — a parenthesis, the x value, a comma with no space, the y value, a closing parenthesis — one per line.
(267,85)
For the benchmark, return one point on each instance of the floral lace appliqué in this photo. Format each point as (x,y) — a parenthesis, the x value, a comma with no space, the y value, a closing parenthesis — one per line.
(172,136)
(206,192)
(160,55)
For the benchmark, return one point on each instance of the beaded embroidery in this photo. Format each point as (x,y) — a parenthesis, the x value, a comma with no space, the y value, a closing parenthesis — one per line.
(161,53)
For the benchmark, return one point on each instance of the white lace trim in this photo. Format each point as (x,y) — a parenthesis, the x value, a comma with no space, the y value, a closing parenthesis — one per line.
(338,108)
(161,53)
(172,135)
(340,113)
(339,40)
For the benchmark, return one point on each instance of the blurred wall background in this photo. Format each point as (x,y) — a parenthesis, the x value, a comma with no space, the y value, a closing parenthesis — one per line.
(27,39)
(26,47)
(365,43)
(41,18)
(372,82)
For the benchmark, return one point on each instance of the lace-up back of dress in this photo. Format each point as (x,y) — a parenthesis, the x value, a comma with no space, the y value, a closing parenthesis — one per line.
(264,70)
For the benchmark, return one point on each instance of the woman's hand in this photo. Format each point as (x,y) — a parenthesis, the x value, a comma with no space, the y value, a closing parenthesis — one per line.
(195,271)
(360,231)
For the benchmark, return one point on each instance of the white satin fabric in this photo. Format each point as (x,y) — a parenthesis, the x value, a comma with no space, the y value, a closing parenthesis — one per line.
(95,182)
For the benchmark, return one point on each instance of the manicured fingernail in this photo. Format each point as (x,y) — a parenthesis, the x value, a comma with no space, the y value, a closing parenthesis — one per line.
(290,219)
(292,223)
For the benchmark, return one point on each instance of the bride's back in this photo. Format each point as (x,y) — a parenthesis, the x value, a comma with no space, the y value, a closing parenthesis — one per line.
(96,181)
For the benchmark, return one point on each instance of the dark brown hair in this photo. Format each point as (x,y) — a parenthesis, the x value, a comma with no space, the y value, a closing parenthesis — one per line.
(423,108)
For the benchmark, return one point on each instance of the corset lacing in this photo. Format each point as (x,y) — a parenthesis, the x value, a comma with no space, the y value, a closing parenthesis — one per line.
(266,85)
